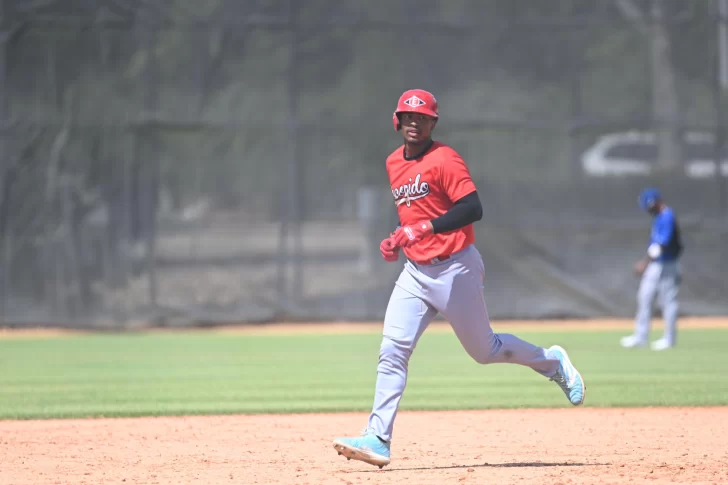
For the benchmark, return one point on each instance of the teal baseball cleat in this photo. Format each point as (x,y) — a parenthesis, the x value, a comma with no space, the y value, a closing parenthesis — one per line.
(568,378)
(367,448)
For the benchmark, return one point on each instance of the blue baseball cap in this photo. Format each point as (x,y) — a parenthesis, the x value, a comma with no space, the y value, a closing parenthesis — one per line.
(648,197)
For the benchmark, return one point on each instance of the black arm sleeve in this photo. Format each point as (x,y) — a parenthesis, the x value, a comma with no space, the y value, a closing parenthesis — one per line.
(465,211)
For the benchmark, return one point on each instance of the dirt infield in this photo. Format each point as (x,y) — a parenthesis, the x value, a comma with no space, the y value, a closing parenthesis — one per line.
(321,328)
(544,447)
(439,326)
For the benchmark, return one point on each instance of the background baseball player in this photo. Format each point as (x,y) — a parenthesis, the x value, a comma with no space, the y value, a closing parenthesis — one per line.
(437,203)
(660,272)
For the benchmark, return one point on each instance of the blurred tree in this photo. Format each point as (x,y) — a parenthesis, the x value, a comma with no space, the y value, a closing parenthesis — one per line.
(652,23)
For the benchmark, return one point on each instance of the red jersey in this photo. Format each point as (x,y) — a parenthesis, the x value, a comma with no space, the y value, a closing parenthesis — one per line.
(426,188)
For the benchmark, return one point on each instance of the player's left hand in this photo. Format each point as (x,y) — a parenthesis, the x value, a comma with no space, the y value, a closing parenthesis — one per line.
(406,236)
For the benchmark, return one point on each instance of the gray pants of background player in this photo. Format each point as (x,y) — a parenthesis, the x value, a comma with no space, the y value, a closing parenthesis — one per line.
(662,278)
(454,288)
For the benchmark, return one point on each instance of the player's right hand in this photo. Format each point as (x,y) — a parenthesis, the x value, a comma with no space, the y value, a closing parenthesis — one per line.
(389,250)
(412,234)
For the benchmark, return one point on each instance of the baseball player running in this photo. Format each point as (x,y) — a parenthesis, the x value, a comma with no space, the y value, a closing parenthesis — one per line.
(660,272)
(437,203)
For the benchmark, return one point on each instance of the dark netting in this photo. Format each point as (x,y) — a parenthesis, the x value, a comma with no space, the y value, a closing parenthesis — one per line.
(212,161)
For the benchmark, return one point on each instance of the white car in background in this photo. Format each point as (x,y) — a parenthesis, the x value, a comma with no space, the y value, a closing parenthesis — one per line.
(635,153)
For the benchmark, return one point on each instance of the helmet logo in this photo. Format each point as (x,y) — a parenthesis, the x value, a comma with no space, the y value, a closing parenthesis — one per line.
(414,102)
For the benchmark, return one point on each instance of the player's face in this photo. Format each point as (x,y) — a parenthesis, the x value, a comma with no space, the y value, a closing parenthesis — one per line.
(416,128)
(655,209)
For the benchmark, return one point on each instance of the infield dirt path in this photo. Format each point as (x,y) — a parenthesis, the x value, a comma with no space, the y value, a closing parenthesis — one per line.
(593,325)
(323,328)
(544,447)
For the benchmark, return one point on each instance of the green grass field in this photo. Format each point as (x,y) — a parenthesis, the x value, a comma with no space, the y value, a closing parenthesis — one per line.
(214,373)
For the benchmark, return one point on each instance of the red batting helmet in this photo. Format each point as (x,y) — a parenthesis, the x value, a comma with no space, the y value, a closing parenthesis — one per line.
(415,101)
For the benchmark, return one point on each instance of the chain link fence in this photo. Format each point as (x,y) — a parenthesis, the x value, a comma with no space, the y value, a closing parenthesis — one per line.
(185,162)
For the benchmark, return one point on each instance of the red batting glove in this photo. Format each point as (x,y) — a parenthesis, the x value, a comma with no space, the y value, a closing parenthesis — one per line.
(406,236)
(389,250)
